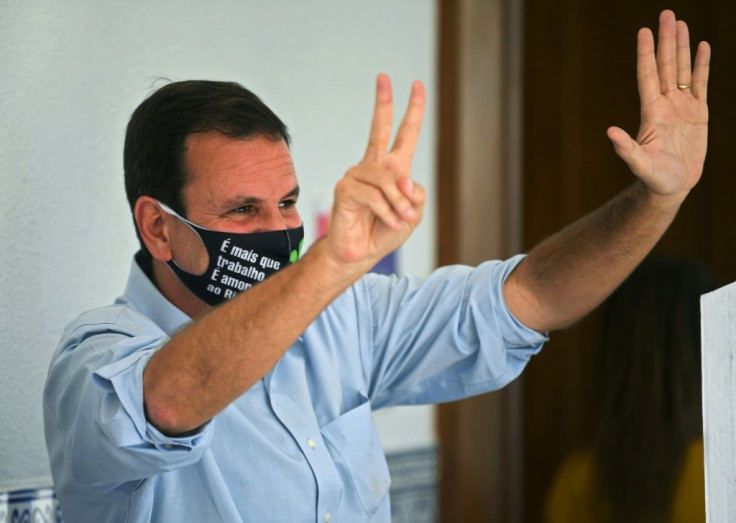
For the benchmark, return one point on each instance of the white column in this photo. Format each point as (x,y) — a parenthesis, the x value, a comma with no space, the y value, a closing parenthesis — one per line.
(718,312)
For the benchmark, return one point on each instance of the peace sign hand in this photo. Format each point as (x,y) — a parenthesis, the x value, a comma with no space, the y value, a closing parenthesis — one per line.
(669,150)
(377,205)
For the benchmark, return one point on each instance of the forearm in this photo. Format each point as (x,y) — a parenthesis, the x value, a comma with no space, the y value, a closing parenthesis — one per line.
(572,272)
(218,357)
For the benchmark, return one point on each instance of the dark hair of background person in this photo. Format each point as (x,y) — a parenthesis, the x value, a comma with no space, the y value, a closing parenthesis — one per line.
(649,376)
(155,140)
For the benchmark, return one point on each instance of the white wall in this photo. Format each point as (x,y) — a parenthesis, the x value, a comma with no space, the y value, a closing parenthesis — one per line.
(70,75)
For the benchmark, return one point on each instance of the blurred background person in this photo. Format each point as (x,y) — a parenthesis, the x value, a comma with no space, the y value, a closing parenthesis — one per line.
(646,462)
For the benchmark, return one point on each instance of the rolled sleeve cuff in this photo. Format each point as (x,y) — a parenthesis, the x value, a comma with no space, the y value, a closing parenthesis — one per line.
(123,412)
(515,333)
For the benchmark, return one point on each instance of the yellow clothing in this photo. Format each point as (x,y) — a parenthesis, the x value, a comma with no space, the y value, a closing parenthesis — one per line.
(571,499)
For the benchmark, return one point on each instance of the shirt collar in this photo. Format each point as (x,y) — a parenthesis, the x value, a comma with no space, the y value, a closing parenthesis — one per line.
(144,296)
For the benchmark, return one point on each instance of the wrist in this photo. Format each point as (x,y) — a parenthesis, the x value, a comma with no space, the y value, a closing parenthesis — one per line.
(667,205)
(340,272)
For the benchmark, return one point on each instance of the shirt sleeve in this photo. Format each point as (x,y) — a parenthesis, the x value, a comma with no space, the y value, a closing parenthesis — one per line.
(94,395)
(445,337)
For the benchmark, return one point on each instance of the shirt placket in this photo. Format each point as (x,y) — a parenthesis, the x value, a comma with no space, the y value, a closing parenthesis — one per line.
(301,423)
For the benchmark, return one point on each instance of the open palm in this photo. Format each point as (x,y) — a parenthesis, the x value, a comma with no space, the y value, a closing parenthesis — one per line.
(669,150)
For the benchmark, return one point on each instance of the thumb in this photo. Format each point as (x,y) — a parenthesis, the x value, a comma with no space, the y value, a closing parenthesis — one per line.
(628,150)
(406,186)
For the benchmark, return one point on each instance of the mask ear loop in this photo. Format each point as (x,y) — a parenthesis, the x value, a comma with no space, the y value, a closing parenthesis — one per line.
(172,212)
(169,210)
(193,227)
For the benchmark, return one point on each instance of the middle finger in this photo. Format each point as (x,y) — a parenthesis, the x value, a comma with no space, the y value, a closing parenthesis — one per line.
(667,51)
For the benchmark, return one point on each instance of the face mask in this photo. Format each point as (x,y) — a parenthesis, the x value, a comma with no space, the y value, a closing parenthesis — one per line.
(236,261)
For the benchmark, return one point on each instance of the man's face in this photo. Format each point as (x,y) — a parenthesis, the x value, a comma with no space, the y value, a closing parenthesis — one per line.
(240,185)
(234,185)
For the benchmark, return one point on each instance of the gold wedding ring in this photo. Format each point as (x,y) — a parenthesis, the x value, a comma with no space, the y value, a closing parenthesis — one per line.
(684,86)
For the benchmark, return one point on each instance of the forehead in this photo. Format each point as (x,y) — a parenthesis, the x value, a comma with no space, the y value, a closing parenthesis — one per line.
(219,167)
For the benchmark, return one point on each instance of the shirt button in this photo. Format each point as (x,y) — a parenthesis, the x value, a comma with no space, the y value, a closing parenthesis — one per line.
(328,517)
(312,444)
(168,446)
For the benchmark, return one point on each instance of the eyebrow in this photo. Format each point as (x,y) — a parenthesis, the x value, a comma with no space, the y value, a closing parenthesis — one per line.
(291,193)
(251,200)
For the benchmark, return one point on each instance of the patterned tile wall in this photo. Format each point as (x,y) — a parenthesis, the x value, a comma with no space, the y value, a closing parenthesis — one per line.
(29,506)
(413,485)
(413,493)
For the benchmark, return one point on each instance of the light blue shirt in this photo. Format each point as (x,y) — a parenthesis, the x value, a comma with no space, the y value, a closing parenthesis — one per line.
(298,446)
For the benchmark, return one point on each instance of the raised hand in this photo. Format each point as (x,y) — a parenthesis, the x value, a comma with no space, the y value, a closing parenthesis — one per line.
(377,205)
(669,150)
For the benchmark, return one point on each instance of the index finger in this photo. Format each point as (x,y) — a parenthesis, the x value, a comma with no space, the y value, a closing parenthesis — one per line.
(411,124)
(646,68)
(382,122)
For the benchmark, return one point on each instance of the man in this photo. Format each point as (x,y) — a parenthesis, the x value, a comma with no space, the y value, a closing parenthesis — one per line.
(179,404)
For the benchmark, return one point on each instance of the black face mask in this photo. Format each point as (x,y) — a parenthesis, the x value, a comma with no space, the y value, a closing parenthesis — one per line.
(237,261)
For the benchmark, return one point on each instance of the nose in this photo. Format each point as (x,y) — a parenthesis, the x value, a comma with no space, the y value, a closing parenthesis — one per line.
(273,220)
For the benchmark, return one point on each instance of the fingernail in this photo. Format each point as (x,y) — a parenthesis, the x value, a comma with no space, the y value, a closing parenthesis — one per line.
(409,214)
(410,185)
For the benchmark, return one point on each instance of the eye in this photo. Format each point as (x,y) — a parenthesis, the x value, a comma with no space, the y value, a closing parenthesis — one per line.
(288,204)
(245,209)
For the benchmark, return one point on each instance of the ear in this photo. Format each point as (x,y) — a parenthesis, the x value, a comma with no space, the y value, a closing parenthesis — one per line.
(153,226)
